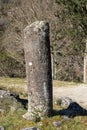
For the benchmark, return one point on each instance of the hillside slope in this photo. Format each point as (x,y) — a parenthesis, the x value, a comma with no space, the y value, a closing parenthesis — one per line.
(68,35)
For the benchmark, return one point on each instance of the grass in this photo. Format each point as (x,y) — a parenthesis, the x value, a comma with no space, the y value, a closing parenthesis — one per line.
(17,85)
(14,121)
(20,85)
(57,83)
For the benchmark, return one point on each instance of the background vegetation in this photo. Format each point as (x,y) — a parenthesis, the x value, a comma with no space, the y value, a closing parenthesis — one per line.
(68,26)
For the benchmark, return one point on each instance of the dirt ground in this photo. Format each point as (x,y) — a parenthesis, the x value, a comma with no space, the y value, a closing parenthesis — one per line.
(76,93)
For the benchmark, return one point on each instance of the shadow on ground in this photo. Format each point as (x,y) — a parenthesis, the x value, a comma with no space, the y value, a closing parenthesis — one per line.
(73,110)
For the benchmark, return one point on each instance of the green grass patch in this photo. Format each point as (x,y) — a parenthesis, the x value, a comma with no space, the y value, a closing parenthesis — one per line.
(57,83)
(18,85)
(15,121)
(21,83)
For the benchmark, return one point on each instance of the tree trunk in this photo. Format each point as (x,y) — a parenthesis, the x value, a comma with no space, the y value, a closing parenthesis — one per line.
(38,70)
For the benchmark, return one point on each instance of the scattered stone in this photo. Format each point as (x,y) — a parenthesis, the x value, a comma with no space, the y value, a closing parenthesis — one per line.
(58,101)
(31,128)
(2,128)
(1,111)
(57,123)
(65,102)
(66,118)
(12,108)
(4,93)
(29,116)
(10,101)
(40,124)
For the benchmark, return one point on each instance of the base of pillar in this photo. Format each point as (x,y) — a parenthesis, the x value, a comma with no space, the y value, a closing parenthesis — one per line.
(28,116)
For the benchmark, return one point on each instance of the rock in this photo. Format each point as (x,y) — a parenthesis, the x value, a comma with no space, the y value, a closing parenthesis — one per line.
(57,123)
(66,118)
(28,116)
(12,108)
(1,111)
(65,102)
(4,93)
(31,128)
(38,68)
(2,128)
(58,101)
(40,124)
(10,101)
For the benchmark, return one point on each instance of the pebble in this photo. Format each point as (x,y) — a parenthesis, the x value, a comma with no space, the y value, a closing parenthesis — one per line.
(57,123)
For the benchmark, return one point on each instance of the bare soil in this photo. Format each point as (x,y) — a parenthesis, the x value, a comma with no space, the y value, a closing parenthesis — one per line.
(76,93)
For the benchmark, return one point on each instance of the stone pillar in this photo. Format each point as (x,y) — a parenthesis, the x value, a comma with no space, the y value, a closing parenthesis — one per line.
(38,70)
(85,65)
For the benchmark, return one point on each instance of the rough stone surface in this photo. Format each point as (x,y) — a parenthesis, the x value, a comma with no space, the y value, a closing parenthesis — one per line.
(57,101)
(10,101)
(40,124)
(1,111)
(31,128)
(85,65)
(66,118)
(66,101)
(2,128)
(4,93)
(57,123)
(38,70)
(63,102)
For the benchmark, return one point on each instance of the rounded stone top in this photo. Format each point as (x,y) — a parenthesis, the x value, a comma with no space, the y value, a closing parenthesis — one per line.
(37,26)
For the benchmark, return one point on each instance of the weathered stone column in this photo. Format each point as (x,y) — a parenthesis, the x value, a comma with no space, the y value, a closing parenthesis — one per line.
(85,65)
(38,70)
